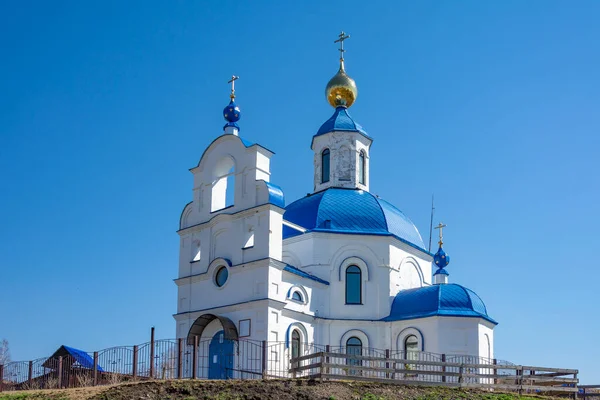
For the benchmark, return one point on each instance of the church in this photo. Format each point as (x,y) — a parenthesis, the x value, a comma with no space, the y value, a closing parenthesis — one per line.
(339,267)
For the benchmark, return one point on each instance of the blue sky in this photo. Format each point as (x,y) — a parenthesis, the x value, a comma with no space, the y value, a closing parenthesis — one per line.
(104,106)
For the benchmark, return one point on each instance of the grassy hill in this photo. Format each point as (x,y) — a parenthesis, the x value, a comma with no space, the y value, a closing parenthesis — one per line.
(259,390)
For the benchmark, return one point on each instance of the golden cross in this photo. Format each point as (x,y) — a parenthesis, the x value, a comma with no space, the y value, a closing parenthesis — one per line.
(232,81)
(440,227)
(342,36)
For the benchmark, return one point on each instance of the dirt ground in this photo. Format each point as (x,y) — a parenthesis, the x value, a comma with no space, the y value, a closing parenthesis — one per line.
(258,390)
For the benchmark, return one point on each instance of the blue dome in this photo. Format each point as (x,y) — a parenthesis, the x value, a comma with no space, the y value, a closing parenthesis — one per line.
(350,211)
(444,300)
(232,114)
(340,121)
(441,259)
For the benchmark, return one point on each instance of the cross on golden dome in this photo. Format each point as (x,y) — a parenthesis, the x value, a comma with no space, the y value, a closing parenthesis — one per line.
(341,37)
(341,90)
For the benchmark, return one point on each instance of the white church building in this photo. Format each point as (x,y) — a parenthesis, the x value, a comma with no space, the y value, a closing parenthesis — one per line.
(339,267)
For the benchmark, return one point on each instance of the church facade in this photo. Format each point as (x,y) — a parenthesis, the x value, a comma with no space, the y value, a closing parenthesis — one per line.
(339,267)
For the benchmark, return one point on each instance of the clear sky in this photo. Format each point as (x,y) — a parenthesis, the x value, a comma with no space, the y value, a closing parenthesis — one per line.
(104,105)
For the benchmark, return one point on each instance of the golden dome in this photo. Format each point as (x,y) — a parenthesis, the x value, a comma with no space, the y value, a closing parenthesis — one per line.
(341,89)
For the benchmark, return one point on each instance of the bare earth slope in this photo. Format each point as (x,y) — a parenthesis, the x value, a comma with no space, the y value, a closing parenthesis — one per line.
(259,390)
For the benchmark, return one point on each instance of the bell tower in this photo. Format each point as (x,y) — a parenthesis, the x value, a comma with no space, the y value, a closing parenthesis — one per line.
(341,146)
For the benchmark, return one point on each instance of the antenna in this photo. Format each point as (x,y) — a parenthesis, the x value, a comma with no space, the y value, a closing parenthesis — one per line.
(431,222)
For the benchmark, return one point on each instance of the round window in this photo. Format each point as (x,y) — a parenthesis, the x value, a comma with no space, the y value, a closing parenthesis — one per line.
(221,276)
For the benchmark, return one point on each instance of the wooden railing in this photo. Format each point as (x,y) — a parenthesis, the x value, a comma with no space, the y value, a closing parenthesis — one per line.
(518,378)
(589,392)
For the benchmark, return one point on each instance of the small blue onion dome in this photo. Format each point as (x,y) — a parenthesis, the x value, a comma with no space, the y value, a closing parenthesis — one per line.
(441,259)
(232,114)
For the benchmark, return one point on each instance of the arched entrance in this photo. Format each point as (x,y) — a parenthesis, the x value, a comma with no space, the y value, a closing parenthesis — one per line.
(229,329)
(221,349)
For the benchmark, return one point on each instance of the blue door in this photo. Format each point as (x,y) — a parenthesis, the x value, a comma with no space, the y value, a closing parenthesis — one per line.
(220,360)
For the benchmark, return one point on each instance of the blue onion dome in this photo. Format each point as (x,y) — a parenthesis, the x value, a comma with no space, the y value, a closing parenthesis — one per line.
(441,259)
(449,300)
(232,114)
(350,211)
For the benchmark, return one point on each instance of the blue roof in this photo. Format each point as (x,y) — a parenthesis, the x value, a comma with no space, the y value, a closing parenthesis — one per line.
(441,271)
(340,121)
(303,274)
(438,300)
(350,211)
(275,195)
(79,356)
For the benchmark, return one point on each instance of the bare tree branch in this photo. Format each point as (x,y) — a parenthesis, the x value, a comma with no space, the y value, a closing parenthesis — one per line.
(4,352)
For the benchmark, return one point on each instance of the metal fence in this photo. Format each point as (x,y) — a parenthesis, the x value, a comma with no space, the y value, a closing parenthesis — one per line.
(250,359)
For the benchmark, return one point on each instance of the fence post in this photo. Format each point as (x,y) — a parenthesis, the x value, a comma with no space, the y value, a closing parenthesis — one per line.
(495,372)
(387,363)
(1,377)
(95,382)
(179,361)
(322,366)
(134,367)
(328,350)
(30,374)
(195,358)
(460,374)
(60,372)
(444,368)
(152,353)
(264,359)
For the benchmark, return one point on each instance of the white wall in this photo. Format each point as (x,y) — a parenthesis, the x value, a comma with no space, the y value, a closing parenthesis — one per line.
(382,260)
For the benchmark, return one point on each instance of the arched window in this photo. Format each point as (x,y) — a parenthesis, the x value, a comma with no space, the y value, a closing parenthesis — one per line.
(297,296)
(325,166)
(411,347)
(361,168)
(223,185)
(353,285)
(296,344)
(353,347)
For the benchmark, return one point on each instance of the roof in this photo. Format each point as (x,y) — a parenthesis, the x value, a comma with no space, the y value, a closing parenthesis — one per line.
(449,300)
(80,357)
(275,195)
(340,121)
(350,211)
(304,274)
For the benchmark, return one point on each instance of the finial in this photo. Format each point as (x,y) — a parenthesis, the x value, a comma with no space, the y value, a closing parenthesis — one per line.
(440,227)
(341,90)
(232,81)
(232,113)
(441,260)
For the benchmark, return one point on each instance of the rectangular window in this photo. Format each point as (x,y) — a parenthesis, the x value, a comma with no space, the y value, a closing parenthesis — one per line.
(353,295)
(325,166)
(244,326)
(361,168)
